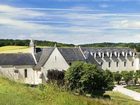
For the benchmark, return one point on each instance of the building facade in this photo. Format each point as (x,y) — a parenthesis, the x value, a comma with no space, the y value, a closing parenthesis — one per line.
(32,67)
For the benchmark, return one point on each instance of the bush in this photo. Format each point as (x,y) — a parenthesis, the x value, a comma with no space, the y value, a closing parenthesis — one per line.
(56,76)
(86,78)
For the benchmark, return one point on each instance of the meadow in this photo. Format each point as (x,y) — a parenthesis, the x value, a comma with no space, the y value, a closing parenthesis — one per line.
(12,93)
(14,49)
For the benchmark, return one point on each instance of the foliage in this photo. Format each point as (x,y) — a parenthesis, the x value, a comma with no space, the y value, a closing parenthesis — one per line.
(127,76)
(17,94)
(12,93)
(86,78)
(11,42)
(117,77)
(56,76)
(136,76)
(106,44)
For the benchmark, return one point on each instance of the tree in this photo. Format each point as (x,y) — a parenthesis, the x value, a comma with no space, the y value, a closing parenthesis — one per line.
(86,78)
(136,76)
(127,76)
(117,77)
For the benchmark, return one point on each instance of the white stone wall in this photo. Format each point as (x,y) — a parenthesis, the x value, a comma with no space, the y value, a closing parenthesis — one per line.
(33,77)
(56,61)
(121,66)
(137,63)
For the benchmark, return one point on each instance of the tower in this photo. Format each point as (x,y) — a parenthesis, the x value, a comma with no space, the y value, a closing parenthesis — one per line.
(32,47)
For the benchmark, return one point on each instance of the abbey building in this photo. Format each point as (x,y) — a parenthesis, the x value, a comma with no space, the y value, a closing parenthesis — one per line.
(30,67)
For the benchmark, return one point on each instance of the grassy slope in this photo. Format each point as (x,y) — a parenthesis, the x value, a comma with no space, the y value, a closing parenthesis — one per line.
(14,49)
(12,93)
(135,88)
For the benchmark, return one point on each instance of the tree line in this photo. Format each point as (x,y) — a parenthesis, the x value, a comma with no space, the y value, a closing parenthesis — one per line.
(7,42)
(11,42)
(129,45)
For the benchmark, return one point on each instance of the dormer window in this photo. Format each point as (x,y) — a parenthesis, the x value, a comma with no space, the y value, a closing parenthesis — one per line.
(108,54)
(105,55)
(94,55)
(115,53)
(123,53)
(99,53)
(130,53)
(91,53)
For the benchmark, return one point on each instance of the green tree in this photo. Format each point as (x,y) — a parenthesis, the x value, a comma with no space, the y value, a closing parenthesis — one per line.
(127,76)
(136,76)
(117,77)
(86,78)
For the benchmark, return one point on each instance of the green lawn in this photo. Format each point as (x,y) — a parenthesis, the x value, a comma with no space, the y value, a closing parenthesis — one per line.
(12,93)
(135,88)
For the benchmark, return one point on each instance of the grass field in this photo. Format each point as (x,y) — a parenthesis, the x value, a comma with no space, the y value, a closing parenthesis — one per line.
(135,88)
(12,93)
(14,49)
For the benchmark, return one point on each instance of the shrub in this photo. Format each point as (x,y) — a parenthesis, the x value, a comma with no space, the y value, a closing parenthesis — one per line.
(56,76)
(86,78)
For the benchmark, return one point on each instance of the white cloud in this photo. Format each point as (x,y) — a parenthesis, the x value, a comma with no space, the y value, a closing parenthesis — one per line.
(74,25)
(19,11)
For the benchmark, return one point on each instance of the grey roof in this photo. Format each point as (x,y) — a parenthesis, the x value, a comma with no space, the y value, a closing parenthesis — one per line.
(98,59)
(104,49)
(71,54)
(17,59)
(42,57)
(115,59)
(107,59)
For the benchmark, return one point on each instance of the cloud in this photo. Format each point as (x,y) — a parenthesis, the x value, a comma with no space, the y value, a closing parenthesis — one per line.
(18,11)
(71,25)
(104,5)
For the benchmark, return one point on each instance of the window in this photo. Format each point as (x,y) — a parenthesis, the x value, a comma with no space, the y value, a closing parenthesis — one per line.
(109,64)
(70,63)
(15,71)
(101,63)
(132,63)
(25,73)
(124,64)
(55,58)
(117,64)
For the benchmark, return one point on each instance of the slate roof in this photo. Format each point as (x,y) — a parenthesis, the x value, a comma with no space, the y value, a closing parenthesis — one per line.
(17,59)
(104,49)
(71,54)
(42,57)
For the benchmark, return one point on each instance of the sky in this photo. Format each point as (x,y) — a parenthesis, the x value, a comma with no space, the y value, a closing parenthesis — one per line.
(71,21)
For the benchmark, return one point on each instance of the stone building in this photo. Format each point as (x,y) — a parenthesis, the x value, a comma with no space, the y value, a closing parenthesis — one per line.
(31,67)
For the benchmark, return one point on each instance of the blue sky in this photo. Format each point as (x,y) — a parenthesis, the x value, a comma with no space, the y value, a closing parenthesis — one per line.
(71,21)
